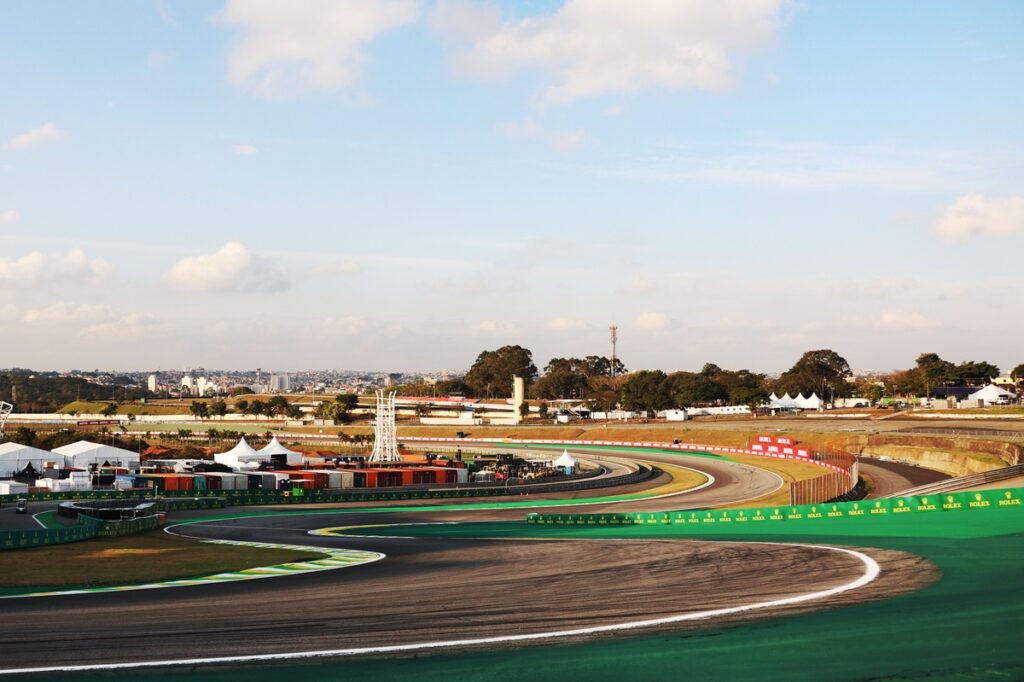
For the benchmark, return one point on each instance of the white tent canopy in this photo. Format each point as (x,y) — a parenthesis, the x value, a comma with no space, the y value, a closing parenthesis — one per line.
(14,457)
(275,449)
(83,454)
(811,403)
(992,394)
(242,455)
(566,460)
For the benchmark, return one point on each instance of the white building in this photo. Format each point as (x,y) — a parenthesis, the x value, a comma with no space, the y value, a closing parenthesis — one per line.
(187,383)
(280,382)
(151,383)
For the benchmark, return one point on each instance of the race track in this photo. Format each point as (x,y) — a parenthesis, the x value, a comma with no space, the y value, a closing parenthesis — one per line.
(457,589)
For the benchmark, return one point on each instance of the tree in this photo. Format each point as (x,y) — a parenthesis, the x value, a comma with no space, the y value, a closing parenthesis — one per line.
(688,389)
(524,410)
(348,401)
(218,408)
(199,410)
(743,387)
(258,407)
(242,406)
(1018,373)
(491,374)
(239,390)
(542,410)
(277,405)
(109,410)
(646,391)
(934,371)
(974,373)
(817,371)
(22,435)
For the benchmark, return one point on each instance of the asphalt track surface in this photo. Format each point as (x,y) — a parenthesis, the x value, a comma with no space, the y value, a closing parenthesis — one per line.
(428,589)
(891,478)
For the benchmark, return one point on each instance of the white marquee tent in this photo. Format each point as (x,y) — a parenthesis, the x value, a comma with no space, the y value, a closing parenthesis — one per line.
(566,461)
(993,395)
(275,449)
(241,456)
(83,454)
(14,457)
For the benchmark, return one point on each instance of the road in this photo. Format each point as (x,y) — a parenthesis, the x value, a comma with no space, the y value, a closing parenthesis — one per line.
(890,478)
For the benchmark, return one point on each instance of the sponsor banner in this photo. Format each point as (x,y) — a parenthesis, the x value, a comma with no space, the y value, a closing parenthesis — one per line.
(863,509)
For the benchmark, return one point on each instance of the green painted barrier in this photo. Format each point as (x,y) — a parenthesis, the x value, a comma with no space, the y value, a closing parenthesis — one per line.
(916,504)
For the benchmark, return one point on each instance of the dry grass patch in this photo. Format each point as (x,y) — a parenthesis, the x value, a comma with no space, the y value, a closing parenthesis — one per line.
(132,559)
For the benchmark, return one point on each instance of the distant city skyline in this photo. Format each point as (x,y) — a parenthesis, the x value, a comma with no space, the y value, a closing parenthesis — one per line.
(415,181)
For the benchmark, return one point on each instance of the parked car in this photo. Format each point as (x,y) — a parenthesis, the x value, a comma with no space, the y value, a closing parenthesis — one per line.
(22,506)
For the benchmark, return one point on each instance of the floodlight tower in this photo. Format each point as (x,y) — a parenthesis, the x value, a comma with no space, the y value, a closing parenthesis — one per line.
(613,334)
(385,441)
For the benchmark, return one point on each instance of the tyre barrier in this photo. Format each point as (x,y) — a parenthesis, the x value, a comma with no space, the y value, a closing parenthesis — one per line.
(883,508)
(88,528)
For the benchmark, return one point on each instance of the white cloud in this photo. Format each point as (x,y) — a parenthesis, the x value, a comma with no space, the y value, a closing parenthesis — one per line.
(975,215)
(492,327)
(652,321)
(562,140)
(8,311)
(564,324)
(597,47)
(90,319)
(289,48)
(899,319)
(38,266)
(245,149)
(809,164)
(8,216)
(641,285)
(233,268)
(347,325)
(43,134)
(338,267)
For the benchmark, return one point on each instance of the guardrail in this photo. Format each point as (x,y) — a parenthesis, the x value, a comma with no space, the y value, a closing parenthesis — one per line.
(87,529)
(737,518)
(961,482)
(841,479)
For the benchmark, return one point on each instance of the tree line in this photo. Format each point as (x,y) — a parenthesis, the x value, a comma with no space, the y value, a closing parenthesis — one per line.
(593,380)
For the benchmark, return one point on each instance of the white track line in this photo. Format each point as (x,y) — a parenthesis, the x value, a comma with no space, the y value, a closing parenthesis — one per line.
(871,572)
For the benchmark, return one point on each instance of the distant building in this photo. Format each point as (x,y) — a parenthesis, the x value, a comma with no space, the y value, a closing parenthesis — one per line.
(151,383)
(280,382)
(187,384)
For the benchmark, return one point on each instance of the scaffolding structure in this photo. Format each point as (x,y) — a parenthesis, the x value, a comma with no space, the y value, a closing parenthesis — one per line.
(5,412)
(385,441)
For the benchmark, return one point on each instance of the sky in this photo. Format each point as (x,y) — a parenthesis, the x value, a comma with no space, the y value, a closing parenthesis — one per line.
(400,184)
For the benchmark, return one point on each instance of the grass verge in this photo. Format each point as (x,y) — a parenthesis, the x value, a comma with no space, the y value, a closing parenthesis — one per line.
(131,559)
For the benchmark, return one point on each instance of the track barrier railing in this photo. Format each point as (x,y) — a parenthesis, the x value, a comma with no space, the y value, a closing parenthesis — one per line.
(883,508)
(840,479)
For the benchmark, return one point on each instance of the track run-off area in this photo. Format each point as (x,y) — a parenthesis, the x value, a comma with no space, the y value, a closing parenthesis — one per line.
(489,596)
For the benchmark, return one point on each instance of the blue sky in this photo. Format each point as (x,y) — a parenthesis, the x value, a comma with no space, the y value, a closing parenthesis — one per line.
(401,184)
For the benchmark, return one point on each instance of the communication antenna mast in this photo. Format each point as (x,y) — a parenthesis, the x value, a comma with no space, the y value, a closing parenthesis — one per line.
(613,334)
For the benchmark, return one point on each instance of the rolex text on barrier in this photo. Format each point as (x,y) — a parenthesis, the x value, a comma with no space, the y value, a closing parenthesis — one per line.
(1006,498)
